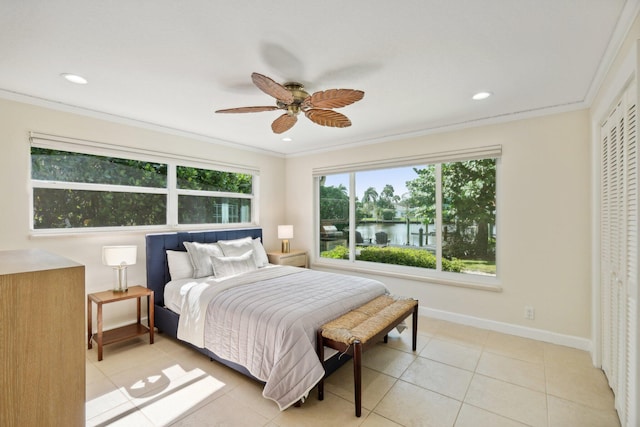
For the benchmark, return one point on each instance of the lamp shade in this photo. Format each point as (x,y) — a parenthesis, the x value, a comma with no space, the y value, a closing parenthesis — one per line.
(285,232)
(115,256)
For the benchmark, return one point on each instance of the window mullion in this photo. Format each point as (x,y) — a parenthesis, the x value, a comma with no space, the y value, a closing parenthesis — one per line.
(172,196)
(352,217)
(439,222)
(255,187)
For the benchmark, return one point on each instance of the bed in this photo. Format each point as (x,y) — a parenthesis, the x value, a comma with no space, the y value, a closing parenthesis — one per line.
(262,322)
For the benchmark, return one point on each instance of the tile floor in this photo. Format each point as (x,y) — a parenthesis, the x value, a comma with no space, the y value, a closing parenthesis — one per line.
(459,376)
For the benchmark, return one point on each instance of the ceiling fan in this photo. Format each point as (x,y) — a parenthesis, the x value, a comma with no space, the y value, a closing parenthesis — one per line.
(292,98)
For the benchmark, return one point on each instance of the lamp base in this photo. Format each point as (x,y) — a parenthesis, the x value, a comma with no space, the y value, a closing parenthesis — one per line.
(285,247)
(120,284)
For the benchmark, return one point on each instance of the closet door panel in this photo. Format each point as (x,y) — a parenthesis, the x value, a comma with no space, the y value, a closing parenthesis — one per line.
(619,254)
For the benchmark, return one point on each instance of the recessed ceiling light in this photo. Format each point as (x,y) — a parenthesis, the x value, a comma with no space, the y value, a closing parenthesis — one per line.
(74,78)
(481,95)
(287,139)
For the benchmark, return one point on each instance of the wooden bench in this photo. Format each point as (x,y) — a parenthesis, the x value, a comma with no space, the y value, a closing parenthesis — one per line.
(361,328)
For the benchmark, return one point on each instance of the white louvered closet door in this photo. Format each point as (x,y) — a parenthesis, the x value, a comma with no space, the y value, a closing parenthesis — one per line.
(619,255)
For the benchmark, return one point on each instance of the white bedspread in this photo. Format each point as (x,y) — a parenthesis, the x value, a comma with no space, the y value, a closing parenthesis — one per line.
(266,321)
(197,293)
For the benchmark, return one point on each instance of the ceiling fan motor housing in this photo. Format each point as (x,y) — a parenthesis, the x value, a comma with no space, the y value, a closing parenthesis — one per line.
(299,95)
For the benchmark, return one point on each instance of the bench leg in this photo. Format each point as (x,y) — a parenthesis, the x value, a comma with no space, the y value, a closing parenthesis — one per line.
(320,351)
(357,376)
(415,327)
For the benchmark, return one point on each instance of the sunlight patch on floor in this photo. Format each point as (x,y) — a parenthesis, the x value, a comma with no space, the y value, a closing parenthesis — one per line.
(162,397)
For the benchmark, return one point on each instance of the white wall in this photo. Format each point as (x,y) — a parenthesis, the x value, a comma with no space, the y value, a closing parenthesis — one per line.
(543,194)
(18,119)
(543,214)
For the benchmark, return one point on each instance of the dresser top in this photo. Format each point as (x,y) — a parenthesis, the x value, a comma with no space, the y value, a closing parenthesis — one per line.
(29,260)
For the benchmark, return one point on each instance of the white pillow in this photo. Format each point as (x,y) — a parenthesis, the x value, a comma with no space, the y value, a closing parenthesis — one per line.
(259,254)
(232,265)
(180,266)
(200,254)
(236,247)
(239,247)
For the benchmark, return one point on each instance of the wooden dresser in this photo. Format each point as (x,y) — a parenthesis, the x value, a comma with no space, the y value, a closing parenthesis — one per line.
(42,355)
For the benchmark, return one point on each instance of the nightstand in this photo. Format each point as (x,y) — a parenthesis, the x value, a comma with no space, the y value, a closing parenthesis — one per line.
(293,258)
(103,338)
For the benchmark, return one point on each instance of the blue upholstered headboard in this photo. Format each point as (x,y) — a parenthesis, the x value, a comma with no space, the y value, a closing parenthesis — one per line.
(158,244)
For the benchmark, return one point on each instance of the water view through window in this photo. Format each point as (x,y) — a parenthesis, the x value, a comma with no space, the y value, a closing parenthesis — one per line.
(438,216)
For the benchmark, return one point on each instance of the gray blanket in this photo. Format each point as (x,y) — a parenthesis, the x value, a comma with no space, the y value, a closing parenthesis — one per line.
(270,326)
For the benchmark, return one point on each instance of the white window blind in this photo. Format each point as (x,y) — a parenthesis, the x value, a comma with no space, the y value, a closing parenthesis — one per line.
(63,143)
(488,152)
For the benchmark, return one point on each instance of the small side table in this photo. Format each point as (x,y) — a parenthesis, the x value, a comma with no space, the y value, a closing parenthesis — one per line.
(293,258)
(103,338)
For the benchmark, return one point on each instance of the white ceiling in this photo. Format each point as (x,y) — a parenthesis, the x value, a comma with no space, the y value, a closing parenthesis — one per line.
(172,63)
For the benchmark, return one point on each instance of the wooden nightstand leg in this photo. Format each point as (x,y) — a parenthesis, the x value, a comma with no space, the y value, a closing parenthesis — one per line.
(89,323)
(99,332)
(150,316)
(138,303)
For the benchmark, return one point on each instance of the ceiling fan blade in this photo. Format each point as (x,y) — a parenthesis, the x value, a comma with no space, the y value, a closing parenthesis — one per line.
(283,123)
(248,109)
(328,118)
(272,88)
(334,98)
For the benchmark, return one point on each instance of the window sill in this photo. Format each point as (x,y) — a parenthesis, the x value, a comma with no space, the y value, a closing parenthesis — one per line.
(469,281)
(93,231)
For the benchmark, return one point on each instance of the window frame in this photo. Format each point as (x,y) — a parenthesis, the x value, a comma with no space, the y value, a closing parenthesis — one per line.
(172,161)
(489,283)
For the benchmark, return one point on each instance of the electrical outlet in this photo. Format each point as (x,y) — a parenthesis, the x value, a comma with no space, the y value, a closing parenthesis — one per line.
(529,312)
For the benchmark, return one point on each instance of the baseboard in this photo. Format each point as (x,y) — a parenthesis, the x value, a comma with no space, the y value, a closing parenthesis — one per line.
(508,328)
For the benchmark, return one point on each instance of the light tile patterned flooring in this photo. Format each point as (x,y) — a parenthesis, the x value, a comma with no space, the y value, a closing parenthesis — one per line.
(459,376)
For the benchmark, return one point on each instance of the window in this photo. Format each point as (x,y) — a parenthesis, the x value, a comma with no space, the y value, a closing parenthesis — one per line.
(437,216)
(79,189)
(199,200)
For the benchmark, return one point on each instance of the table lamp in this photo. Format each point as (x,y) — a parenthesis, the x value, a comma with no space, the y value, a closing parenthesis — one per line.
(119,257)
(285,232)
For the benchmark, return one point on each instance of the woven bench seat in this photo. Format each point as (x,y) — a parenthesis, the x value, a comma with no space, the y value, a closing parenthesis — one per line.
(356,330)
